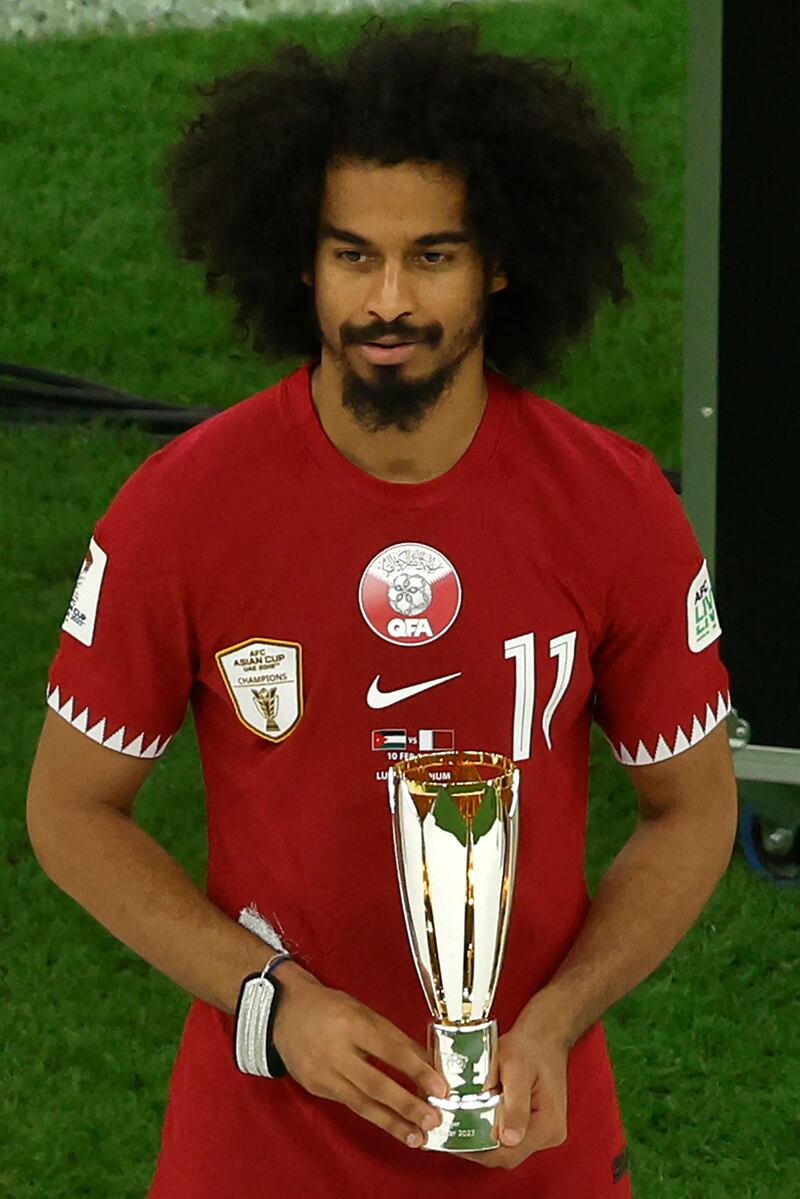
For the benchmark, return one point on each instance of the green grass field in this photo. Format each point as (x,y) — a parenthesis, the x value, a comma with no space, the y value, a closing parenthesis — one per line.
(706,1051)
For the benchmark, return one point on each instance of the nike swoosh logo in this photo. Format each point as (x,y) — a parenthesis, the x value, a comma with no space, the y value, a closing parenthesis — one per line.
(382,699)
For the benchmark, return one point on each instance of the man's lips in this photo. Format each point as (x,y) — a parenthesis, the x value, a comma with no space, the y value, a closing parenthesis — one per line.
(388,353)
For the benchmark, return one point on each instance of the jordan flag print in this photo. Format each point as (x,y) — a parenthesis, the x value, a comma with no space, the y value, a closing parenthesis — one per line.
(389,739)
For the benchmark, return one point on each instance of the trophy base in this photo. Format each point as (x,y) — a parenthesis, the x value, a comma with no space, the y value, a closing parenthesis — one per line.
(463,1054)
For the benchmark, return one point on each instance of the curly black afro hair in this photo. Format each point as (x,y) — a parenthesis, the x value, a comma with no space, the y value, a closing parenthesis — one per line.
(551,193)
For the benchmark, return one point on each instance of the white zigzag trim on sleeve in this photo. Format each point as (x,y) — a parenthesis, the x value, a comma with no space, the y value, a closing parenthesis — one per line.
(123,742)
(680,741)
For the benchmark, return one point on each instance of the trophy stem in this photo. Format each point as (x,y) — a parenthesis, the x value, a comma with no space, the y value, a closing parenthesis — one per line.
(463,1054)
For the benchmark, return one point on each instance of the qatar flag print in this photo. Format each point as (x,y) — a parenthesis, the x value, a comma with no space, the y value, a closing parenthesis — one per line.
(431,739)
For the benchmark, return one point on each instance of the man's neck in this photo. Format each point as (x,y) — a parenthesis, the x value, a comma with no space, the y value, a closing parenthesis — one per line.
(429,451)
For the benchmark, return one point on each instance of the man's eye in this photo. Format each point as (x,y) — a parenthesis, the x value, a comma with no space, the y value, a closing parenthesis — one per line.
(429,254)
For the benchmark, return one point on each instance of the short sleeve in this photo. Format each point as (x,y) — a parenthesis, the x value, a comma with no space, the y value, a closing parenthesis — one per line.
(123,670)
(660,682)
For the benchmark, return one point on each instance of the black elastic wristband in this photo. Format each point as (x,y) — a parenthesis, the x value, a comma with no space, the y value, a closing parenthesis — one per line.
(274,1060)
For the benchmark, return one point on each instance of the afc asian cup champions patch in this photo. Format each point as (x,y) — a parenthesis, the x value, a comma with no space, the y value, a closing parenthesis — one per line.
(265,682)
(81,614)
(410,594)
(703,626)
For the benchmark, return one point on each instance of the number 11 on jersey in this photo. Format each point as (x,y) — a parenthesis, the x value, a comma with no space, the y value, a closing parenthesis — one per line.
(523,650)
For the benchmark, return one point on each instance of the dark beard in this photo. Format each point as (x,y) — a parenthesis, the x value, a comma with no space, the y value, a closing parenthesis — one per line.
(389,399)
(393,400)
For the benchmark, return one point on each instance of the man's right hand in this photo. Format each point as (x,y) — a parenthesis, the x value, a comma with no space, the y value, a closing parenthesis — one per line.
(325,1036)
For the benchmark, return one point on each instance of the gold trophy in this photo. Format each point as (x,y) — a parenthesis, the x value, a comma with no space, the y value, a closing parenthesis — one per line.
(455,821)
(267,699)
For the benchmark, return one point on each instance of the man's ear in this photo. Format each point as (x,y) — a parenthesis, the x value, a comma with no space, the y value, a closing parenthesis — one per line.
(499,280)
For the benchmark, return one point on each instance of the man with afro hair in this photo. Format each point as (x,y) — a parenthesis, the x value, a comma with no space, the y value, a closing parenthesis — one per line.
(398,547)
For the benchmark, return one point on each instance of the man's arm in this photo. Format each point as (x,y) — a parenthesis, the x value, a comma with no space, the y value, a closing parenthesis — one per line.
(654,890)
(80,803)
(79,818)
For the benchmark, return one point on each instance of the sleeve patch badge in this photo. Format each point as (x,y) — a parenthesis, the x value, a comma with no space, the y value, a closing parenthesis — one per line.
(82,611)
(265,682)
(703,625)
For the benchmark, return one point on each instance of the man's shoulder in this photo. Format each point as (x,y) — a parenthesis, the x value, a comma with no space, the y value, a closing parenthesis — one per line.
(578,450)
(246,427)
(249,429)
(205,467)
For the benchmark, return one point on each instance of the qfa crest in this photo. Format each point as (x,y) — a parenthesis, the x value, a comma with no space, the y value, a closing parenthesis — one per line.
(410,594)
(264,680)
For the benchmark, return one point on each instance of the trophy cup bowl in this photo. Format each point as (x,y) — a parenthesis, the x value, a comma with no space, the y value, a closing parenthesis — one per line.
(455,822)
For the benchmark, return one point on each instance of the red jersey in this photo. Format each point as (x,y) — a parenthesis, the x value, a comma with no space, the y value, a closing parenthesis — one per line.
(322,623)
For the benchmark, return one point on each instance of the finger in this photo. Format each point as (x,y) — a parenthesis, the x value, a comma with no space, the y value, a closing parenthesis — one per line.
(548,1118)
(391,1046)
(390,1094)
(515,1110)
(363,1105)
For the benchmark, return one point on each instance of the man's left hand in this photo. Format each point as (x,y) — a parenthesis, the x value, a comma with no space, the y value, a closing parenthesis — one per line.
(531,1067)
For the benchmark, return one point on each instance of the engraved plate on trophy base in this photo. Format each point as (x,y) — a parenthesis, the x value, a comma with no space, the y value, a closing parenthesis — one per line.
(464,1056)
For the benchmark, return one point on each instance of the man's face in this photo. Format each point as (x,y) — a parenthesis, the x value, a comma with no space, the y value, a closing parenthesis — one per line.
(391,286)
